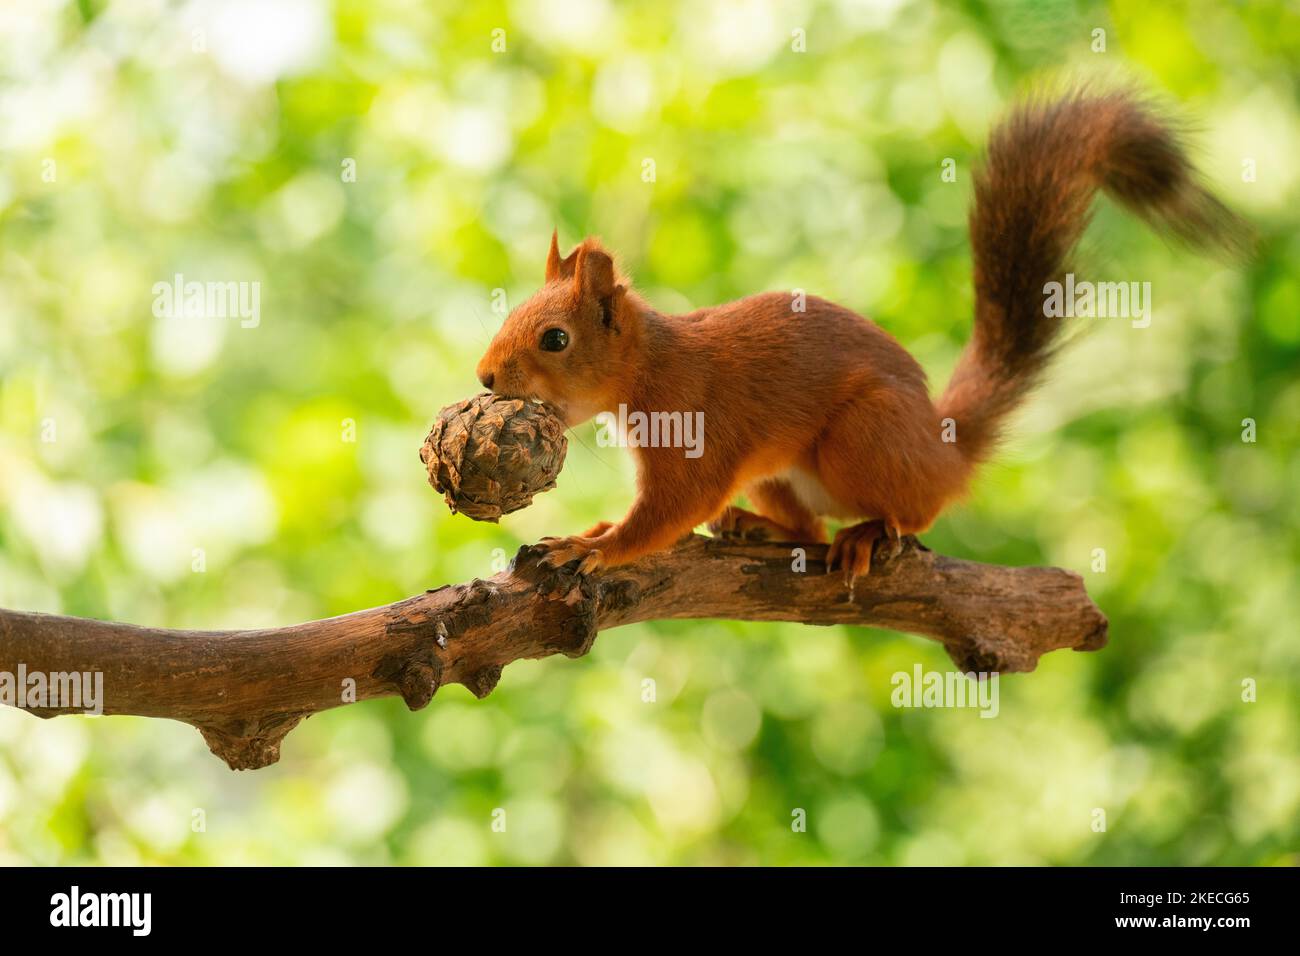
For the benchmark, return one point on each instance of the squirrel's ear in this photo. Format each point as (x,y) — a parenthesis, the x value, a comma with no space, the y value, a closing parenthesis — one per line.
(594,274)
(557,268)
(553,257)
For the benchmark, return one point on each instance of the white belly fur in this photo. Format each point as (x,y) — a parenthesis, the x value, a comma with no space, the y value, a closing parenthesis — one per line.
(809,490)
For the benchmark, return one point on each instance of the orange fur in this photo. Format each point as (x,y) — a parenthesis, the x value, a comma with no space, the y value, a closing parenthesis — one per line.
(821,413)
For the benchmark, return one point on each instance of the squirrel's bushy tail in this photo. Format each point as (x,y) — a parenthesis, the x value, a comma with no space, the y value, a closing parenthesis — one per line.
(1032,197)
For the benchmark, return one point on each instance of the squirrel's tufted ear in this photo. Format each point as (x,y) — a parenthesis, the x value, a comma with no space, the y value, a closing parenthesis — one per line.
(553,257)
(557,268)
(594,277)
(594,273)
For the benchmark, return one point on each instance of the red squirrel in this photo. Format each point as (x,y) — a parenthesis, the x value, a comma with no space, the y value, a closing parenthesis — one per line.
(821,413)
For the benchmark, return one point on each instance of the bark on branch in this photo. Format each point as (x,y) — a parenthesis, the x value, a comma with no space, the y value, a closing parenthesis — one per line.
(245,690)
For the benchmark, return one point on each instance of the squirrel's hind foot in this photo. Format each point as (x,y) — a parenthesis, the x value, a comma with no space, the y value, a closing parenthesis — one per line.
(736,522)
(854,546)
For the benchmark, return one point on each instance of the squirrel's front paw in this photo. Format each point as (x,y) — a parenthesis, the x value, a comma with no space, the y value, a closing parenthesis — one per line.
(560,551)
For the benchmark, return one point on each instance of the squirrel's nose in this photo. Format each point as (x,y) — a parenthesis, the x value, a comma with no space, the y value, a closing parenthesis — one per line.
(486,378)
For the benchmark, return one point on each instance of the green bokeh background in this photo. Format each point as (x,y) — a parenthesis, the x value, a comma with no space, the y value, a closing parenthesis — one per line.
(143,139)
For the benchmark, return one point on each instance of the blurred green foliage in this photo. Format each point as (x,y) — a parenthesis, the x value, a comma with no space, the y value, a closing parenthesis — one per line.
(143,139)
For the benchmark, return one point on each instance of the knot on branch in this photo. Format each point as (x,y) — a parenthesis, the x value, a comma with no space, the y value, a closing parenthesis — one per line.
(249,744)
(418,681)
(484,680)
(580,595)
(980,643)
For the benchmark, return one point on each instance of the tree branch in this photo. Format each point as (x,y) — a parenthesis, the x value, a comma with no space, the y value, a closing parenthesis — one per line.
(245,690)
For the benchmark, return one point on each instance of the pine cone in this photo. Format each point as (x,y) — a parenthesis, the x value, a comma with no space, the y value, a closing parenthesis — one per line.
(490,455)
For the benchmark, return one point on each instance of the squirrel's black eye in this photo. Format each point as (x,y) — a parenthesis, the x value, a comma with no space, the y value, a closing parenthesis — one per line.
(555,340)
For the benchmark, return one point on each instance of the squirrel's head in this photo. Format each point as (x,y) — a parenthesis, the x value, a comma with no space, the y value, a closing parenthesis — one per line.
(572,343)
